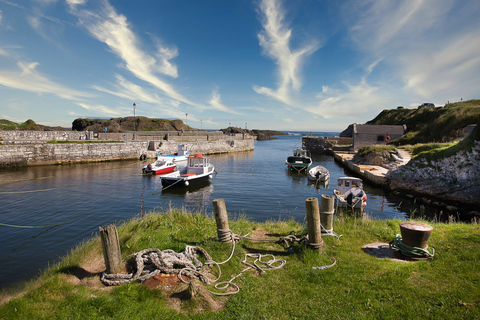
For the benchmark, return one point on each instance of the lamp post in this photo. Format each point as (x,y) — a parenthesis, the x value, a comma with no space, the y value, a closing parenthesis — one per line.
(186,120)
(134,120)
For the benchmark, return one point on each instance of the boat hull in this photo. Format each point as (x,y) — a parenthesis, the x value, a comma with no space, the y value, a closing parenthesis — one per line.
(183,181)
(157,170)
(318,173)
(298,163)
(163,171)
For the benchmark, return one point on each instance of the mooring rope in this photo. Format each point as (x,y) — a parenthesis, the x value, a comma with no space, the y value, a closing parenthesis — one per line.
(227,234)
(150,262)
(409,251)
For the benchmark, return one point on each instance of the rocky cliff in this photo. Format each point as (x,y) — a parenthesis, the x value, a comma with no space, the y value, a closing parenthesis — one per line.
(455,178)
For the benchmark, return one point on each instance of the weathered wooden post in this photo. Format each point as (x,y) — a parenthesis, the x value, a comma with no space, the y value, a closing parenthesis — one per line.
(111,249)
(326,212)
(221,219)
(313,224)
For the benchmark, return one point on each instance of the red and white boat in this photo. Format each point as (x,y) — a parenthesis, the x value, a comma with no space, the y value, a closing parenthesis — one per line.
(160,167)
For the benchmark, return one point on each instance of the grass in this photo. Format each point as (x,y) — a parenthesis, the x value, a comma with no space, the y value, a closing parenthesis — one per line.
(431,124)
(375,148)
(359,286)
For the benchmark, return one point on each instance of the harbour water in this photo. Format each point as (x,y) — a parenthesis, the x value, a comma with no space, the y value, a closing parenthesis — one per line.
(48,210)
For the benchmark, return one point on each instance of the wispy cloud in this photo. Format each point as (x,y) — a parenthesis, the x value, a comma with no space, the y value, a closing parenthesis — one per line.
(103,110)
(29,79)
(275,42)
(430,47)
(128,90)
(216,103)
(349,102)
(114,30)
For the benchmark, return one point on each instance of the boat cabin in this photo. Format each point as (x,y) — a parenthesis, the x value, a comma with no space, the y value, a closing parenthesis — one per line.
(182,149)
(300,153)
(346,183)
(198,164)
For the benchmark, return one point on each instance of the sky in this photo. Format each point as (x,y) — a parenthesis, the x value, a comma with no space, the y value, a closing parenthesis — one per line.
(312,65)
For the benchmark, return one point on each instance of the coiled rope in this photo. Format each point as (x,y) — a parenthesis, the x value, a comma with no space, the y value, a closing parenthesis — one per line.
(409,251)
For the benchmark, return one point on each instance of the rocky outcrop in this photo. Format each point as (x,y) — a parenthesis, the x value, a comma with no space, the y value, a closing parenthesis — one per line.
(128,124)
(456,178)
(259,134)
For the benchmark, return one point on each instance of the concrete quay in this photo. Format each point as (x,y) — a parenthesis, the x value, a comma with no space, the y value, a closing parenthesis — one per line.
(370,173)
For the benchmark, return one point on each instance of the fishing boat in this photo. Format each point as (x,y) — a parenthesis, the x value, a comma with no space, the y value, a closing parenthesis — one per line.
(349,193)
(179,156)
(159,167)
(299,161)
(198,170)
(318,173)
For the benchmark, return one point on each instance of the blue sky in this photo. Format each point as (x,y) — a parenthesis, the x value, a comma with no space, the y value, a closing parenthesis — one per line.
(265,64)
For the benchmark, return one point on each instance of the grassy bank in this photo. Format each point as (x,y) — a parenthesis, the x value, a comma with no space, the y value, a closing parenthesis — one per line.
(359,286)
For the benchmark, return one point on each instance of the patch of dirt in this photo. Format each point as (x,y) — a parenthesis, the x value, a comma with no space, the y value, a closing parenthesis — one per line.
(382,250)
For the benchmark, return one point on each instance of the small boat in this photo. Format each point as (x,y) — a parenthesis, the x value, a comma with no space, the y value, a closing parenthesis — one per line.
(198,170)
(159,167)
(349,193)
(179,156)
(299,161)
(318,173)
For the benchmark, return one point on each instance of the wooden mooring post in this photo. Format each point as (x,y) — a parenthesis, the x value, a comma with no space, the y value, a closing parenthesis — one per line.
(111,249)
(313,224)
(221,218)
(326,212)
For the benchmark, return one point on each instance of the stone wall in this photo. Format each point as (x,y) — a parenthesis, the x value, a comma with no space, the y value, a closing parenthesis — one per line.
(323,144)
(32,136)
(367,135)
(58,153)
(43,154)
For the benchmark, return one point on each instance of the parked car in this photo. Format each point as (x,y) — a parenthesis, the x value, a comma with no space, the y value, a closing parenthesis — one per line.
(427,105)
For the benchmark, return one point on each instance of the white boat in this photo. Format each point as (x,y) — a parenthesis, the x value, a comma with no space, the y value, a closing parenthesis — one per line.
(179,156)
(318,173)
(299,161)
(198,170)
(349,193)
(159,167)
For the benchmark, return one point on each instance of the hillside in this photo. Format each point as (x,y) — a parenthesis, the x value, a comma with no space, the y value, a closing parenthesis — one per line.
(129,124)
(425,125)
(27,125)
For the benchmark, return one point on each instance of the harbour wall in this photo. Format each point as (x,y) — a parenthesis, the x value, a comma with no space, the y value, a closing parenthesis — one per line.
(33,136)
(316,144)
(29,154)
(371,173)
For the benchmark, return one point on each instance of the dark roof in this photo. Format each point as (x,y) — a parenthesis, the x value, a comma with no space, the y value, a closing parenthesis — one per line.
(379,129)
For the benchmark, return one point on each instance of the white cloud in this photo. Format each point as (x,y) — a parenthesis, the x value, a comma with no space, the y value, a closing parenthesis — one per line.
(29,79)
(100,109)
(349,103)
(114,30)
(131,91)
(216,103)
(275,42)
(432,48)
